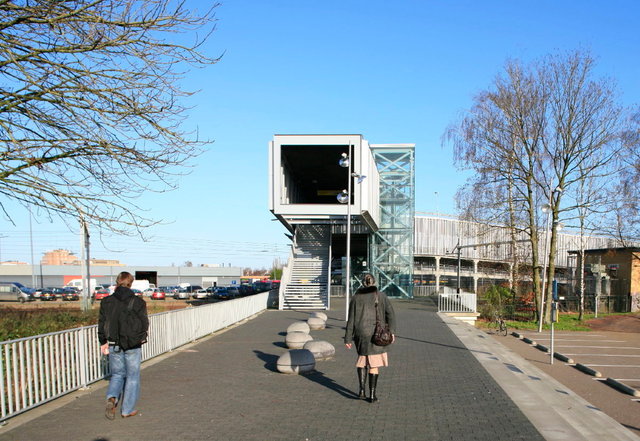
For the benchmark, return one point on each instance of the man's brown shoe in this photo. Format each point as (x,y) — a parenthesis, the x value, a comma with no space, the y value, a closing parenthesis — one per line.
(134,413)
(110,411)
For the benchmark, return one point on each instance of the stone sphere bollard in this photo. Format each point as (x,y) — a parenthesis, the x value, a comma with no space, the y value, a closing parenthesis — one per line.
(296,361)
(321,315)
(320,349)
(316,323)
(298,327)
(296,339)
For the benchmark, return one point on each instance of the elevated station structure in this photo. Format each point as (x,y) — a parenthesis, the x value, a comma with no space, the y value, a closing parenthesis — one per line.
(305,180)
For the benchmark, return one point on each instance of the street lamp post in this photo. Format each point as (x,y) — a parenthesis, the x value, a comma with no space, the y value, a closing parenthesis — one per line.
(345,197)
(547,208)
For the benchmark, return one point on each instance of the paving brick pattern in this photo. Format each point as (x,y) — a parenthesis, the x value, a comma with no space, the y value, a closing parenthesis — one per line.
(227,388)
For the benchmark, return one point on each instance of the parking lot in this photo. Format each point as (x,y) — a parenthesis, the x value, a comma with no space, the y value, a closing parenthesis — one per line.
(613,355)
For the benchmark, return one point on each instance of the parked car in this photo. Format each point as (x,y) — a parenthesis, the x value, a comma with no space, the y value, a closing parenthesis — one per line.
(11,292)
(157,294)
(47,294)
(181,294)
(246,290)
(70,294)
(201,294)
(24,289)
(221,293)
(102,293)
(233,292)
(137,292)
(59,291)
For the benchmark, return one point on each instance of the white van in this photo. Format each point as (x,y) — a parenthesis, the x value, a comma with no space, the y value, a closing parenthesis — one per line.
(10,292)
(77,283)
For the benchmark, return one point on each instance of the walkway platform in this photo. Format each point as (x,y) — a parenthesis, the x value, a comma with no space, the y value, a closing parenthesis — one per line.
(446,381)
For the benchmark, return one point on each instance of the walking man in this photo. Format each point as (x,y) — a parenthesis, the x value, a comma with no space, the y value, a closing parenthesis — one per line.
(122,329)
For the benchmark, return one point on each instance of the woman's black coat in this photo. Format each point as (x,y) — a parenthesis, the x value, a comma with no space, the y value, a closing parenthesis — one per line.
(362,320)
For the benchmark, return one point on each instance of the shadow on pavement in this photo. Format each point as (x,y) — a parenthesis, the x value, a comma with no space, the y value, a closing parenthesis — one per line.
(440,344)
(323,380)
(270,360)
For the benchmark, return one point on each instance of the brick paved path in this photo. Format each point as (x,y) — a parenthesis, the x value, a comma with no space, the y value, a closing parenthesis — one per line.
(227,388)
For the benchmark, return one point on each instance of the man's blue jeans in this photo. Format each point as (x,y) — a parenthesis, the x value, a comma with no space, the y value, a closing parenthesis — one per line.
(125,376)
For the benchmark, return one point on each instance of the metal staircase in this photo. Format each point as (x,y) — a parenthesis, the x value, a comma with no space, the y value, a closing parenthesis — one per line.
(306,286)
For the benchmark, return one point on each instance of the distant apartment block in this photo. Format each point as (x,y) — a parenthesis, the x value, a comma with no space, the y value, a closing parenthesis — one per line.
(59,257)
(66,257)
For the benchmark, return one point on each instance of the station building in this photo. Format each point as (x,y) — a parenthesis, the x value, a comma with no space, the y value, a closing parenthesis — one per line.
(409,255)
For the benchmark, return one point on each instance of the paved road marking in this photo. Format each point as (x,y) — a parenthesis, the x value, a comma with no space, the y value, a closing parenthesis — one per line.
(615,365)
(606,355)
(597,347)
(572,339)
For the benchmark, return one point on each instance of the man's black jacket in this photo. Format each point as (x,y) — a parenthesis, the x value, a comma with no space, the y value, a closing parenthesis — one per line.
(109,309)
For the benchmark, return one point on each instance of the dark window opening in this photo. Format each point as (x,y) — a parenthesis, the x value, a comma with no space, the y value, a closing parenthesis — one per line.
(312,174)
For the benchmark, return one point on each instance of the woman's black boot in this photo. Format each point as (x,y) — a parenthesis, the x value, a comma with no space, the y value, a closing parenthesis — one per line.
(373,383)
(362,379)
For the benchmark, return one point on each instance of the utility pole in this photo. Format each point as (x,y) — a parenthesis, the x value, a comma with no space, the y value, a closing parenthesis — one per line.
(85,256)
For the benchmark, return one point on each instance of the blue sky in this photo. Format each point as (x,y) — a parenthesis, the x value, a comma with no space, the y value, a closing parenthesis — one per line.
(396,72)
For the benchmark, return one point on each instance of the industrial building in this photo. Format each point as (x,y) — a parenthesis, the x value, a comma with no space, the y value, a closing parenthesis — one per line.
(60,275)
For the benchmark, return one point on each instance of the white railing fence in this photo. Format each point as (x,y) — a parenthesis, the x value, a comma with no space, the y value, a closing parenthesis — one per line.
(463,302)
(39,369)
(285,278)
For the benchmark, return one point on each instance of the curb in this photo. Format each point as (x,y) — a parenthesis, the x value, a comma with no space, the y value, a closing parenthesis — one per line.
(587,370)
(622,387)
(543,348)
(564,358)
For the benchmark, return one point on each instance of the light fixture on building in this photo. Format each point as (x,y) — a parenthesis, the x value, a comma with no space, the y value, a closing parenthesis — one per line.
(343,196)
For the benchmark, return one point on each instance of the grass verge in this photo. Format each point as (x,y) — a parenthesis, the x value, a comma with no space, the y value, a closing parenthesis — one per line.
(26,322)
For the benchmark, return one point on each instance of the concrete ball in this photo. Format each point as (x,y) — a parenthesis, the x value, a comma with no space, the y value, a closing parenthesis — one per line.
(298,327)
(296,361)
(296,340)
(321,315)
(316,323)
(320,349)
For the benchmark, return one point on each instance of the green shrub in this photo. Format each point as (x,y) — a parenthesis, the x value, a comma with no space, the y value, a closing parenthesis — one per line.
(498,301)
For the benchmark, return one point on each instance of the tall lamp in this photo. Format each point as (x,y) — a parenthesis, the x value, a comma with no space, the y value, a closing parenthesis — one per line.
(344,197)
(547,208)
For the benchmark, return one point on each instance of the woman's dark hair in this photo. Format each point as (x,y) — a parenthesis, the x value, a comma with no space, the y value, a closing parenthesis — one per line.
(124,279)
(368,280)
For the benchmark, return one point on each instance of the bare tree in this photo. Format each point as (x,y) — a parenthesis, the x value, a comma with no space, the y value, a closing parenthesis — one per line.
(581,140)
(541,131)
(626,205)
(499,140)
(91,112)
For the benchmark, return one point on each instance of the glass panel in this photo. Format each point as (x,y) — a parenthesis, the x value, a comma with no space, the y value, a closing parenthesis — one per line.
(392,245)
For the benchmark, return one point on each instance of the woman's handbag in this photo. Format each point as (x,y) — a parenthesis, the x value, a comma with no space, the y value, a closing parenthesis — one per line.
(381,335)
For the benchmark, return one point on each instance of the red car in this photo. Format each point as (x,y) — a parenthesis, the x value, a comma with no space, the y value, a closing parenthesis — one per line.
(157,295)
(102,293)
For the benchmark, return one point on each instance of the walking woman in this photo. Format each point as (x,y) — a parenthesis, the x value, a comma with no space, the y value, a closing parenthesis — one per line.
(360,328)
